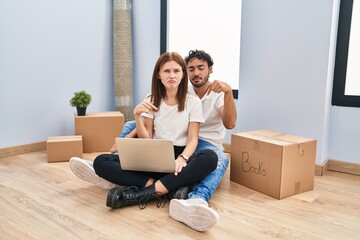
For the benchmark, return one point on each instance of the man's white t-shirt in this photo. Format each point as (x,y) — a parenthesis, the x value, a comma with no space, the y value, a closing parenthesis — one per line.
(212,130)
(171,124)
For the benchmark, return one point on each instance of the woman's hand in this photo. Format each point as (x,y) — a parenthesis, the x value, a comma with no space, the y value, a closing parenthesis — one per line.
(144,107)
(113,149)
(180,163)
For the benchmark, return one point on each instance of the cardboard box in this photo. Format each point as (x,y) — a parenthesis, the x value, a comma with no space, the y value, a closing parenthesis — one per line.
(99,130)
(273,163)
(62,148)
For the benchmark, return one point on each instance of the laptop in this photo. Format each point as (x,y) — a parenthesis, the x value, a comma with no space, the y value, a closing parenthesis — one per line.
(147,155)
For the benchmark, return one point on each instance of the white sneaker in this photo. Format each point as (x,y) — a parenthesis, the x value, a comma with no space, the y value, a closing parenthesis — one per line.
(194,212)
(84,169)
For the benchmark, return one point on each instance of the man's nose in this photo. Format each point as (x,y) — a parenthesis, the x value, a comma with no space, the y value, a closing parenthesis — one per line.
(196,72)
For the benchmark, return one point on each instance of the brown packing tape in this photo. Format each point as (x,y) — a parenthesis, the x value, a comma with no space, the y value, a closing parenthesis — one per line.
(297,188)
(256,145)
(277,137)
(301,149)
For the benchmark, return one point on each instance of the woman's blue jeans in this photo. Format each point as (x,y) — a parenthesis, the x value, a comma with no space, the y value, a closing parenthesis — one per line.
(204,189)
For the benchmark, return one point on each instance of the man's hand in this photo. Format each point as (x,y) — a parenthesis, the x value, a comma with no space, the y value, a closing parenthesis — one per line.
(228,110)
(218,86)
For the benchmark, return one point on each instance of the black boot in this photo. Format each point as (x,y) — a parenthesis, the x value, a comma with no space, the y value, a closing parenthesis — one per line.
(118,197)
(180,193)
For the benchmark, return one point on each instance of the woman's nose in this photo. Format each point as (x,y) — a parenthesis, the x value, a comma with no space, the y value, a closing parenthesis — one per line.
(172,74)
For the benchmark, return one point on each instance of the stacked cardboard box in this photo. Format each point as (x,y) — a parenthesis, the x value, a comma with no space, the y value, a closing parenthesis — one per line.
(99,130)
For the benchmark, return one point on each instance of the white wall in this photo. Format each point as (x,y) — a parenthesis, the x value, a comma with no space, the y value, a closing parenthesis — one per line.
(284,68)
(48,50)
(146,47)
(344,144)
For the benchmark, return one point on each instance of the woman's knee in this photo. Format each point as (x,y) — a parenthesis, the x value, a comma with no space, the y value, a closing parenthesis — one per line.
(100,160)
(210,157)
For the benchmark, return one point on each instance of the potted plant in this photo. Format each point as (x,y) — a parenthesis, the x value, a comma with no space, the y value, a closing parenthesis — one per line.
(80,100)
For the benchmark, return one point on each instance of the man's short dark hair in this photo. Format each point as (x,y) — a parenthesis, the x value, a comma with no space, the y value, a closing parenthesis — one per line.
(199,54)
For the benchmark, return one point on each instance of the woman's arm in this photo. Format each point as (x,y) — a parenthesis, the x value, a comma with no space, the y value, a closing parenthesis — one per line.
(192,141)
(144,128)
(193,135)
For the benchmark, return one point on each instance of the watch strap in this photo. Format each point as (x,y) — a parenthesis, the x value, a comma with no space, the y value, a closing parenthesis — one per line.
(184,157)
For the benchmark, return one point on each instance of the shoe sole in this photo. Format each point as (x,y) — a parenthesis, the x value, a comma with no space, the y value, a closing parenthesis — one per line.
(198,217)
(82,170)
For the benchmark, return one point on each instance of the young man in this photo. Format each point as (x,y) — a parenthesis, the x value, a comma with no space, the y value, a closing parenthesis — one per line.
(219,113)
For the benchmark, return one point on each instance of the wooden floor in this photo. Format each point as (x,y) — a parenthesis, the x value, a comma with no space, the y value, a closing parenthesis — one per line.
(40,200)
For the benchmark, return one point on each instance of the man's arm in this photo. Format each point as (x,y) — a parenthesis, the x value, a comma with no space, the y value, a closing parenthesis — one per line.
(228,110)
(128,131)
(132,134)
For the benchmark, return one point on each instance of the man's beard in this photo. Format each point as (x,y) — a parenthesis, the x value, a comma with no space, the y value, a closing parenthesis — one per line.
(200,84)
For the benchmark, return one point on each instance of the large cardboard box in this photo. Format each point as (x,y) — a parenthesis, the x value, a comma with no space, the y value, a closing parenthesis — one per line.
(62,148)
(273,163)
(99,130)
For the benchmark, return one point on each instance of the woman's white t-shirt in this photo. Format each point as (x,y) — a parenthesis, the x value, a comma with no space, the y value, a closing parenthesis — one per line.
(171,124)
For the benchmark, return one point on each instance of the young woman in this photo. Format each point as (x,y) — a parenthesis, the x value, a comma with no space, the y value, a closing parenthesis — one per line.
(168,113)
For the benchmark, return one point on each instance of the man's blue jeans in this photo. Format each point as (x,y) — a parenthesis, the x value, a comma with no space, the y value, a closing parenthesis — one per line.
(206,188)
(128,127)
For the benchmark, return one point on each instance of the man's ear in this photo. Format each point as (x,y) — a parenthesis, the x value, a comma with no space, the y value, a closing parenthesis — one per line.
(210,70)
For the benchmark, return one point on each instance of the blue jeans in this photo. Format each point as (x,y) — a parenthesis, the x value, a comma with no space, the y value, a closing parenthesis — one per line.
(128,127)
(206,187)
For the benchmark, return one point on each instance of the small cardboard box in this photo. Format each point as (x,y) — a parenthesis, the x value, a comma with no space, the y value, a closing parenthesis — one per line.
(273,163)
(62,148)
(99,130)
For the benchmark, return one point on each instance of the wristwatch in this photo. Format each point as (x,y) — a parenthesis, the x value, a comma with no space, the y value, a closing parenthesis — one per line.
(184,157)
